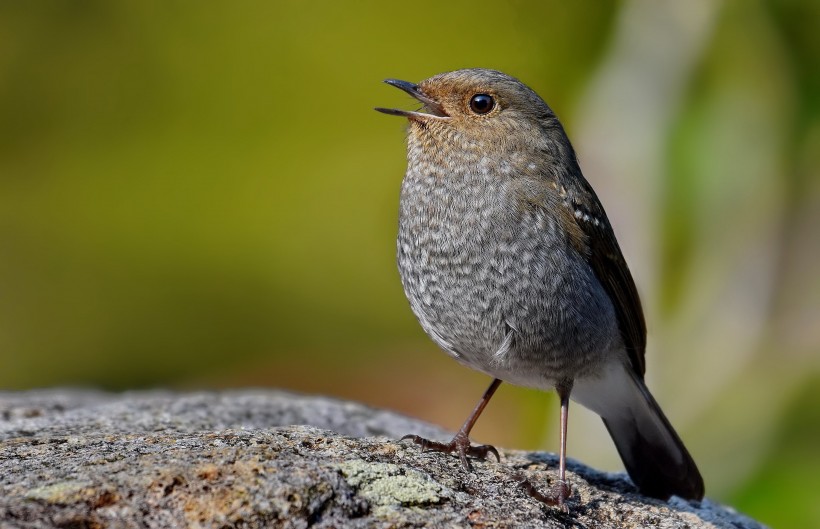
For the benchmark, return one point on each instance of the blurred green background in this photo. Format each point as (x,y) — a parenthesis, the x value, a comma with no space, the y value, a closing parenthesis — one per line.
(200,195)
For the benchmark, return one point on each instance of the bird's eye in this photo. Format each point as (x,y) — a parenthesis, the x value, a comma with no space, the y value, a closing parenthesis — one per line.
(482,103)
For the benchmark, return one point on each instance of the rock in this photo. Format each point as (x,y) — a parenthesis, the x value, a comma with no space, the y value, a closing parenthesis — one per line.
(80,459)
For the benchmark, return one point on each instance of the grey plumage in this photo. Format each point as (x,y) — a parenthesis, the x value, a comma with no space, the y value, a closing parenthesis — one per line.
(511,266)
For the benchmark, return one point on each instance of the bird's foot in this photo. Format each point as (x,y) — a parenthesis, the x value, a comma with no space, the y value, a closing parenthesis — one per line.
(460,445)
(556,496)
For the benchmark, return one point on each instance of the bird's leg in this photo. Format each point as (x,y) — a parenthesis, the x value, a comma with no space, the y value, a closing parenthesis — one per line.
(461,442)
(558,493)
(561,489)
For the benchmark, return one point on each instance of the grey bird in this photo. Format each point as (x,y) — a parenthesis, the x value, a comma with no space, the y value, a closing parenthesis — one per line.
(512,267)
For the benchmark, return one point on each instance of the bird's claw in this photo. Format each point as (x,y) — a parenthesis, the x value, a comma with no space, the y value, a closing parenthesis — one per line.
(556,496)
(459,445)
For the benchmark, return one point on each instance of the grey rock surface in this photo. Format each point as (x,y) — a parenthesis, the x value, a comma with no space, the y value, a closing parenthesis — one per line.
(82,459)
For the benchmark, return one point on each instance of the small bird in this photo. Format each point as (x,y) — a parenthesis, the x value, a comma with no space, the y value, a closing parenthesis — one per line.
(512,267)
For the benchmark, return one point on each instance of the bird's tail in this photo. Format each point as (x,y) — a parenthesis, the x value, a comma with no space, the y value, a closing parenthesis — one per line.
(654,456)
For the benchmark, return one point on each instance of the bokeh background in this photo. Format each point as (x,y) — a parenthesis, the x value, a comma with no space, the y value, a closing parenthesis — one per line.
(200,195)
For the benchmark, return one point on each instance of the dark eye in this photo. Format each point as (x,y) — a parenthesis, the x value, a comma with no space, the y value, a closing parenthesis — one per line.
(482,103)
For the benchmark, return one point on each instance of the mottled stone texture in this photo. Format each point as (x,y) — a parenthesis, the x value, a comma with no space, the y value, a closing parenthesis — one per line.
(73,459)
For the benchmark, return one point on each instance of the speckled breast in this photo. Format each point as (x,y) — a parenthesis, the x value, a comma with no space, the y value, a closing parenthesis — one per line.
(488,281)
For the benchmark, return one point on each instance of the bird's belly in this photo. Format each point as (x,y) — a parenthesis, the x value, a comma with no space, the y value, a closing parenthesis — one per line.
(502,301)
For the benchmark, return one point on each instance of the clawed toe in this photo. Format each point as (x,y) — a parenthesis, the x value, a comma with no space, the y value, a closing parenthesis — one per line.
(428,445)
(556,496)
(421,441)
(483,451)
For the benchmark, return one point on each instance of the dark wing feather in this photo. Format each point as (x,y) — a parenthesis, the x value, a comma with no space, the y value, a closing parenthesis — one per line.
(610,267)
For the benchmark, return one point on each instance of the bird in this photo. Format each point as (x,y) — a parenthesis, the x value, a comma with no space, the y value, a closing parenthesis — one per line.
(511,266)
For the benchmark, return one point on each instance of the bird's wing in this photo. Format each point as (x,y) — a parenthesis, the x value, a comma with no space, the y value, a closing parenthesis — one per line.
(604,255)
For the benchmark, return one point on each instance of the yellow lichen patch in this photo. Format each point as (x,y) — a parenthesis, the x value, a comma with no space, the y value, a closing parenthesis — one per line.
(385,485)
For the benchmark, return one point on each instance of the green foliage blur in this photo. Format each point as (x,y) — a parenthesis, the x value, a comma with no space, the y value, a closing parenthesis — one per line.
(200,195)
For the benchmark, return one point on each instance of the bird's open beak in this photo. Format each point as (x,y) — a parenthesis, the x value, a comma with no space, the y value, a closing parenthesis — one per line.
(433,107)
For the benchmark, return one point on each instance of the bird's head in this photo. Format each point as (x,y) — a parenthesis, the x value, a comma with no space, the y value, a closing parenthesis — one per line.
(479,107)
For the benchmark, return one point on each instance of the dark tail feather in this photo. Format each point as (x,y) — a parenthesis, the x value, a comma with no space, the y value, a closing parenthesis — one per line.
(654,456)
